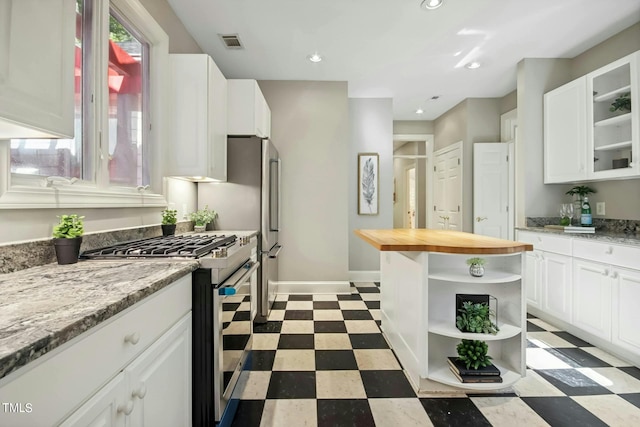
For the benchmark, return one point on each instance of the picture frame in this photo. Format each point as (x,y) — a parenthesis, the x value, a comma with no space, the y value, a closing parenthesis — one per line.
(368,183)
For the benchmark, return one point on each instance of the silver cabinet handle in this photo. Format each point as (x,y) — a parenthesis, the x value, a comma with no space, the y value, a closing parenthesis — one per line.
(277,248)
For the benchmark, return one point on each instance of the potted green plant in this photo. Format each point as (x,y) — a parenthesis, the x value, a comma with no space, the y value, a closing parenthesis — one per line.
(476,266)
(476,318)
(580,191)
(169,219)
(473,354)
(201,218)
(67,237)
(621,103)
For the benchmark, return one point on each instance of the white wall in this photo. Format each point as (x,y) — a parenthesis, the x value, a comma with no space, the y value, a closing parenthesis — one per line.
(180,41)
(310,129)
(371,132)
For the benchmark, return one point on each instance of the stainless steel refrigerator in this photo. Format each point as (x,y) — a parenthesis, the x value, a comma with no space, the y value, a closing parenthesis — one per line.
(250,200)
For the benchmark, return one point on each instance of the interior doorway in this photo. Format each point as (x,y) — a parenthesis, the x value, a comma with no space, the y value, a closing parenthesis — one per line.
(412,180)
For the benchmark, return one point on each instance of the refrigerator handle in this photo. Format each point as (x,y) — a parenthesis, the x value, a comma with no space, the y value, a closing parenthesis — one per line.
(277,248)
(278,198)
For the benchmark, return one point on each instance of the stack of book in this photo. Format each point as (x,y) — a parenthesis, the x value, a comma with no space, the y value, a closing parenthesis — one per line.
(487,374)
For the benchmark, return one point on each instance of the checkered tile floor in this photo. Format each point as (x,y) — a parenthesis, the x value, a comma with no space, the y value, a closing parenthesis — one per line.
(321,360)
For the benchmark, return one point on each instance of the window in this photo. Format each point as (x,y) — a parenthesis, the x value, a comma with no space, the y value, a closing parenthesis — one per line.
(119,71)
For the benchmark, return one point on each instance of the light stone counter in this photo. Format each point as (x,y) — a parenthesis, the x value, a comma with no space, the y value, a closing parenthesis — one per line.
(604,236)
(43,307)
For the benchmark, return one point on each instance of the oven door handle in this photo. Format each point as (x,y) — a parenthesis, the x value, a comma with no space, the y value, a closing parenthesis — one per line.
(231,285)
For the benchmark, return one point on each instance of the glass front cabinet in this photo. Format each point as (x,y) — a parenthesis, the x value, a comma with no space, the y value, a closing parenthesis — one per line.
(613,120)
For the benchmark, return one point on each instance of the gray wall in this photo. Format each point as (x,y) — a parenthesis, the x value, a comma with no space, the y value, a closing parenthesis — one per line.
(413,127)
(509,102)
(371,132)
(180,41)
(310,128)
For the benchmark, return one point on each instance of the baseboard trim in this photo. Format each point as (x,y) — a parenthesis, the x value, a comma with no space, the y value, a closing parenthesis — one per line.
(296,287)
(364,276)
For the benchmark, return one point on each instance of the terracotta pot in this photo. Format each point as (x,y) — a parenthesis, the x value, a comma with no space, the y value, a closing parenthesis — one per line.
(67,250)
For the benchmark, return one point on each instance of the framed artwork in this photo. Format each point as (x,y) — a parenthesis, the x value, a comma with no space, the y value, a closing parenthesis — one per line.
(368,182)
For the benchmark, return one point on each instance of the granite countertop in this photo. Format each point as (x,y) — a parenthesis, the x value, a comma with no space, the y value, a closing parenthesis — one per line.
(43,307)
(605,236)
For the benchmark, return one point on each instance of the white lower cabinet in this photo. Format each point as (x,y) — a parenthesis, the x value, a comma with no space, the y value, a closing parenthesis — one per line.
(556,285)
(626,316)
(533,276)
(154,390)
(592,286)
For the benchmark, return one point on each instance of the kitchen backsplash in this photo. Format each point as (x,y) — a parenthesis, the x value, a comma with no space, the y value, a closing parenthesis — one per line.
(18,256)
(601,224)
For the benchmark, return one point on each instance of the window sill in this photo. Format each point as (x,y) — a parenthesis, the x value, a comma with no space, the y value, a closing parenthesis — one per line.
(27,197)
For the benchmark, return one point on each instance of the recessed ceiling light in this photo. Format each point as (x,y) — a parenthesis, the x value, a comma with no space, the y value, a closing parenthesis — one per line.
(431,4)
(473,65)
(419,111)
(314,57)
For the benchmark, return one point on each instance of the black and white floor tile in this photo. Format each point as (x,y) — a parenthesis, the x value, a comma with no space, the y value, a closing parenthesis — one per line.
(321,360)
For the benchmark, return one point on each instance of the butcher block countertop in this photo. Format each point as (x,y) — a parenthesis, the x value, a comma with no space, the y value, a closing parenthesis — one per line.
(446,241)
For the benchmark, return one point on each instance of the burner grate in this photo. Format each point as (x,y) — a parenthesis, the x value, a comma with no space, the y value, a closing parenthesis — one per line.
(191,246)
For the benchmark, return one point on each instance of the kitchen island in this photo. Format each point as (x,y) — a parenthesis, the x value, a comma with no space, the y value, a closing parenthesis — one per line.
(421,271)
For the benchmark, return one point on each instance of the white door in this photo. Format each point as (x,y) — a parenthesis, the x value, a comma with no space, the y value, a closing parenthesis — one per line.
(592,297)
(491,188)
(556,283)
(447,191)
(159,380)
(410,197)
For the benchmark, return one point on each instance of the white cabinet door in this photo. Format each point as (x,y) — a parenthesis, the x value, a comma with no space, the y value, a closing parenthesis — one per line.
(533,278)
(556,283)
(565,148)
(626,316)
(107,408)
(592,297)
(159,380)
(37,68)
(198,146)
(248,111)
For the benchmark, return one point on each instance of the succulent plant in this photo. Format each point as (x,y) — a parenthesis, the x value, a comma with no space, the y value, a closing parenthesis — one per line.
(476,317)
(473,354)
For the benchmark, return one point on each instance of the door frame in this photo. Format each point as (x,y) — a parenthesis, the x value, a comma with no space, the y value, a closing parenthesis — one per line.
(428,140)
(406,221)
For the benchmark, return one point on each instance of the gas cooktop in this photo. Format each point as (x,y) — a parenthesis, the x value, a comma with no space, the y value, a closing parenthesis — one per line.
(184,246)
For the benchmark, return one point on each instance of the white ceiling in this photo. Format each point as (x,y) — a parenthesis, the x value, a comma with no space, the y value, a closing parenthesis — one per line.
(393,48)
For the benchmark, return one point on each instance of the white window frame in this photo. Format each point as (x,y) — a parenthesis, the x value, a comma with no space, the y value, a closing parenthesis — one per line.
(24,192)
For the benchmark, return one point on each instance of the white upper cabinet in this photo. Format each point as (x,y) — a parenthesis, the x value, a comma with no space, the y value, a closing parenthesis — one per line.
(613,135)
(584,140)
(248,112)
(37,68)
(198,144)
(565,118)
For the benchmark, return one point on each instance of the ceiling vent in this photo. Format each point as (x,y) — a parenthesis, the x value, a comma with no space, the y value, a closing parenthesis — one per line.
(231,41)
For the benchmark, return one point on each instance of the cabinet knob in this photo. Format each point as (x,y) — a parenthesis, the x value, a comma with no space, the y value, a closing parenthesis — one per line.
(609,250)
(614,275)
(605,272)
(126,408)
(140,392)
(132,338)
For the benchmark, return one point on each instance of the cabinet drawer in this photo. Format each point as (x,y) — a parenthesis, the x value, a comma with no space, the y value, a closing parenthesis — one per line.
(60,381)
(546,242)
(620,255)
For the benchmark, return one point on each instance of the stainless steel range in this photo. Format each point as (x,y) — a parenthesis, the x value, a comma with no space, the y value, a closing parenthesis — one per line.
(222,309)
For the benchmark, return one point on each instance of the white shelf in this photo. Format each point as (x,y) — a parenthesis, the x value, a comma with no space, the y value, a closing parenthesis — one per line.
(615,146)
(462,275)
(449,330)
(614,120)
(612,95)
(440,372)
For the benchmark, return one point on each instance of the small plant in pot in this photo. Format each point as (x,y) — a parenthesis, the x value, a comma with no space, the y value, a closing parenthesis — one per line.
(67,237)
(476,318)
(201,218)
(169,219)
(473,354)
(476,266)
